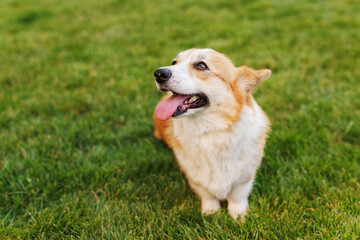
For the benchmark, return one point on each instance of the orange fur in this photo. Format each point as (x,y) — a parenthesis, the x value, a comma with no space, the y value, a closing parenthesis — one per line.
(222,66)
(160,129)
(251,77)
(238,105)
(249,100)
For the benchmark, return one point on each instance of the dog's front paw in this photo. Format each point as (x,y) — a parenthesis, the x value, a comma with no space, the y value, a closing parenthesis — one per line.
(238,210)
(209,206)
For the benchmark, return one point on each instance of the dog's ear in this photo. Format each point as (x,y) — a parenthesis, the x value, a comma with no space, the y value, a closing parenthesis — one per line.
(249,78)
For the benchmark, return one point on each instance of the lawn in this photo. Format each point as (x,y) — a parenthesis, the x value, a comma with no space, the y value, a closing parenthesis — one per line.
(77,154)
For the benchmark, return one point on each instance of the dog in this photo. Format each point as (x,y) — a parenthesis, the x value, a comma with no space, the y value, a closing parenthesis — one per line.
(214,126)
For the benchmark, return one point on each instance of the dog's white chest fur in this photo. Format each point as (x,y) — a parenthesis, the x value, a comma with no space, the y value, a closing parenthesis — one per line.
(218,160)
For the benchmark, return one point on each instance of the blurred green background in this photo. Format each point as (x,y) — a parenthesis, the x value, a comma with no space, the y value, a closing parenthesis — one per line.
(77,154)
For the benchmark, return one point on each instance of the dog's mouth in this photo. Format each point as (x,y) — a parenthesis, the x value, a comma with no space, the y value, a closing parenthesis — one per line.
(178,104)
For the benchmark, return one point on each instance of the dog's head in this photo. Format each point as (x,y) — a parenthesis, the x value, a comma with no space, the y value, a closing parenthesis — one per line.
(203,81)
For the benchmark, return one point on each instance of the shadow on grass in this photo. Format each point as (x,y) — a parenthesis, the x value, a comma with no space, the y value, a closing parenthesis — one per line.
(157,179)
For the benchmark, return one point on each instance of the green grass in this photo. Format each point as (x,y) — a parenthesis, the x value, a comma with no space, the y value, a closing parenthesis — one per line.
(77,154)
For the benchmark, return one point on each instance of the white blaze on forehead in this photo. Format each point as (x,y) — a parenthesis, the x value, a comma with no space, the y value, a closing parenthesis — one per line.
(196,53)
(182,78)
(182,81)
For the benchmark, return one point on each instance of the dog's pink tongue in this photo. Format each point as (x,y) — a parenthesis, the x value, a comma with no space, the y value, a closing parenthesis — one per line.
(166,108)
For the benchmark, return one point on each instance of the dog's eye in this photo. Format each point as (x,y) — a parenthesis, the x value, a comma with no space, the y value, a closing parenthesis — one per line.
(201,66)
(174,62)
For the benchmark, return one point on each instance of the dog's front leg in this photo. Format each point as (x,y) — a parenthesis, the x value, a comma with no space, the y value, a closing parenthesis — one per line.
(238,199)
(209,203)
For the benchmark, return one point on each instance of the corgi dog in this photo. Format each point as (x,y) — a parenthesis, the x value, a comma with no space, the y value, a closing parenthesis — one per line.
(214,126)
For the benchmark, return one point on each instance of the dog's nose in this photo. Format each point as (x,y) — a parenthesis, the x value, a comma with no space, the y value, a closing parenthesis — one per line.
(162,75)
